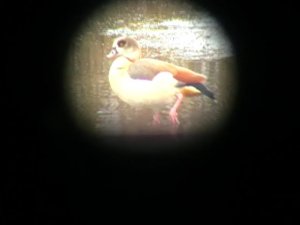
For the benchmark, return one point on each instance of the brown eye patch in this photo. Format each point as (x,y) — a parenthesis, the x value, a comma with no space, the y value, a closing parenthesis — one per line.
(121,43)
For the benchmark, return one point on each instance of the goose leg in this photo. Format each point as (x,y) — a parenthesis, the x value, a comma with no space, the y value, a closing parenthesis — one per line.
(156,118)
(173,112)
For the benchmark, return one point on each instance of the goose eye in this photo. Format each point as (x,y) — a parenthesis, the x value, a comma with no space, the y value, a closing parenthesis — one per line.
(121,43)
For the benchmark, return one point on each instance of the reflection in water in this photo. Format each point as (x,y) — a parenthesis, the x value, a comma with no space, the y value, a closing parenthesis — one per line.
(171,32)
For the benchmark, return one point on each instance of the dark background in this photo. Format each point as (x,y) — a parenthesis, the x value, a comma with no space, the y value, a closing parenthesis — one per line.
(55,174)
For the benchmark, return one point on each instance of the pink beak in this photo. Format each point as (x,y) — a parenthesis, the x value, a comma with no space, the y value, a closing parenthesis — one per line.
(113,53)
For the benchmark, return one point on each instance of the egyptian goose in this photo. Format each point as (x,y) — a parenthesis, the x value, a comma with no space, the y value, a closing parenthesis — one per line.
(150,82)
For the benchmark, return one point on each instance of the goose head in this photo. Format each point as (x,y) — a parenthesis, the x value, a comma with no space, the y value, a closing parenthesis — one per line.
(126,47)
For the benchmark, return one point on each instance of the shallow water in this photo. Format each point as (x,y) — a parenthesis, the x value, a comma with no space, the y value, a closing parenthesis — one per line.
(188,38)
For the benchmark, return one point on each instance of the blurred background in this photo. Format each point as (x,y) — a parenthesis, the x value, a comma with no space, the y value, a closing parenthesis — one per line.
(54,172)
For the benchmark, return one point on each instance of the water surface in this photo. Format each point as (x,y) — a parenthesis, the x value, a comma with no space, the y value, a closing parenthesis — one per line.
(172,32)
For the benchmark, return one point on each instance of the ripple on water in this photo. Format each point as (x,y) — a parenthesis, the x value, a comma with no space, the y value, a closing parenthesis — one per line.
(203,37)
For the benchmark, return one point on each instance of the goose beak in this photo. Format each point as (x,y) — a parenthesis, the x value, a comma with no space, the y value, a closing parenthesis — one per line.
(113,53)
